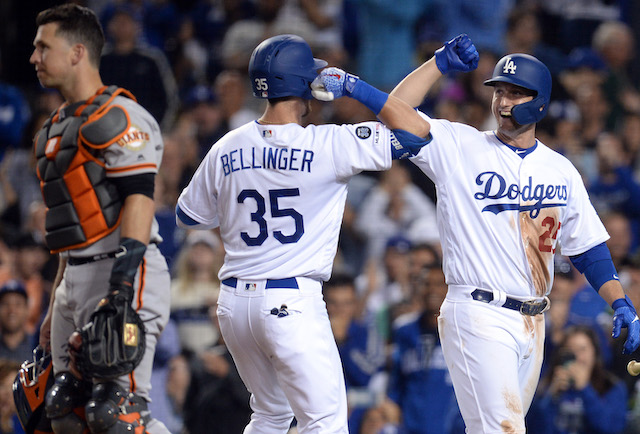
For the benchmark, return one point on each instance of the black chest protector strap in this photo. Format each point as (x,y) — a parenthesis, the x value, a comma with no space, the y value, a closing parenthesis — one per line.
(83,206)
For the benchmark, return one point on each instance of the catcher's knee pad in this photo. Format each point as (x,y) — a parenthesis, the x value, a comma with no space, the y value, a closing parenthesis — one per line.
(113,410)
(65,403)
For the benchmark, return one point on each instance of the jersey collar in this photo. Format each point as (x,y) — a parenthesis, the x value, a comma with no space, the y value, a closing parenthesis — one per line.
(519,151)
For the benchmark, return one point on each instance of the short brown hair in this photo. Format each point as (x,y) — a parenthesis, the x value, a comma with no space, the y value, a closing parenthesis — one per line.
(77,24)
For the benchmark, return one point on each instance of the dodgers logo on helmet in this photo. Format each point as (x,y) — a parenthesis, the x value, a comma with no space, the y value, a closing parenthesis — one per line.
(528,72)
(283,66)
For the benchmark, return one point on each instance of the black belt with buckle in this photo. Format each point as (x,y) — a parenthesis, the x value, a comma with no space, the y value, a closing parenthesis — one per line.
(289,282)
(529,307)
(89,259)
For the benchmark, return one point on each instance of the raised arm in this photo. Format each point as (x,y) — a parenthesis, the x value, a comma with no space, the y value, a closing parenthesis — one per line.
(459,54)
(334,83)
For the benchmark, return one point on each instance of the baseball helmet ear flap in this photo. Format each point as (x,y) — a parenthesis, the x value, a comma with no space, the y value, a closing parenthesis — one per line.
(528,72)
(282,66)
(33,381)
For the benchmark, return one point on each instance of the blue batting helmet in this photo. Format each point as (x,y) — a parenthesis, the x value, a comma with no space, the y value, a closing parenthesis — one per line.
(525,71)
(283,66)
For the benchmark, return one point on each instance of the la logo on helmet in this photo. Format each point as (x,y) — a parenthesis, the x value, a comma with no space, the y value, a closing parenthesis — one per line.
(509,66)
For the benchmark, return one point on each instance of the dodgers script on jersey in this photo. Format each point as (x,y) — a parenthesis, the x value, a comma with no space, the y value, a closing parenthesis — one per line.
(510,209)
(289,185)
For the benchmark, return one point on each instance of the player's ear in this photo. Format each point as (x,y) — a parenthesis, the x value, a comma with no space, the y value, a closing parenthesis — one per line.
(78,52)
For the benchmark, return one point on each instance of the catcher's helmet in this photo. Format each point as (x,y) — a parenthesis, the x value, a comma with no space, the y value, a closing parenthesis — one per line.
(30,387)
(525,71)
(283,66)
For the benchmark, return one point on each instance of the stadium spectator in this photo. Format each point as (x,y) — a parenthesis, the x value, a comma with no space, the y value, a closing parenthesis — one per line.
(578,394)
(15,114)
(9,422)
(202,115)
(395,207)
(143,70)
(361,349)
(386,37)
(162,403)
(194,290)
(216,399)
(231,89)
(30,260)
(385,288)
(614,41)
(243,35)
(16,343)
(523,35)
(418,364)
(484,22)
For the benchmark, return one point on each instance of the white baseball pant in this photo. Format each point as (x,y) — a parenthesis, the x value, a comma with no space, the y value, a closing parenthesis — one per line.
(494,356)
(289,363)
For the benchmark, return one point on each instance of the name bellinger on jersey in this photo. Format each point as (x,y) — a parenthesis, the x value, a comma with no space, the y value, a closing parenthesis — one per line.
(273,197)
(267,158)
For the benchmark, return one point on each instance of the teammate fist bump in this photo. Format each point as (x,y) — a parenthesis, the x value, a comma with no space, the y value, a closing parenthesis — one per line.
(625,316)
(459,54)
(333,83)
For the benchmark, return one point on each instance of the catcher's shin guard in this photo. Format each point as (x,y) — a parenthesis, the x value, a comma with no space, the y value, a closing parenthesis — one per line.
(65,403)
(112,410)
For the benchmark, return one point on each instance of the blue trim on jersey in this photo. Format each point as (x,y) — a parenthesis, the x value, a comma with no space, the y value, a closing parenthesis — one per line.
(405,144)
(185,218)
(596,265)
(519,151)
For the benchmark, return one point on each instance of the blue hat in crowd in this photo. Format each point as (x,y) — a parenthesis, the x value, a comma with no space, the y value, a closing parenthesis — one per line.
(199,94)
(585,57)
(13,286)
(399,243)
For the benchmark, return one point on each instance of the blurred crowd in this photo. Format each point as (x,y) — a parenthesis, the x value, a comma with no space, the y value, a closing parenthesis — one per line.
(186,62)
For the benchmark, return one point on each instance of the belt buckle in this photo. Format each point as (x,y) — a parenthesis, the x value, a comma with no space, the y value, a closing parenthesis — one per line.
(532,307)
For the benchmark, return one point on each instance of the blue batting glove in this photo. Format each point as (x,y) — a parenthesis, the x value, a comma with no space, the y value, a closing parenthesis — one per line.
(459,54)
(333,83)
(625,316)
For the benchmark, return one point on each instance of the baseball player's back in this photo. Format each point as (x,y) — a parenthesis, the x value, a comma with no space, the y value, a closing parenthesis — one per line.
(277,191)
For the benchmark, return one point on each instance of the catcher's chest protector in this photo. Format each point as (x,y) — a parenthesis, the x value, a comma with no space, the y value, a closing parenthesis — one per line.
(82,205)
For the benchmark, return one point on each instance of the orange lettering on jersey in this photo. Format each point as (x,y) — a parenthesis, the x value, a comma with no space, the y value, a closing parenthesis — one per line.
(52,147)
(134,139)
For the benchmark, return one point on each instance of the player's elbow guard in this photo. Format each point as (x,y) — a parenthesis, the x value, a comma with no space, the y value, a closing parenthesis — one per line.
(405,145)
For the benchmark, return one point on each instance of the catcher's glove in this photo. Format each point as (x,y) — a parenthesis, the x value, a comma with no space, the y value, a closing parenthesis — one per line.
(113,341)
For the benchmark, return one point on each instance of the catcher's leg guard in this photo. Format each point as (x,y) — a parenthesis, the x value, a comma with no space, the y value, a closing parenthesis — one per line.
(112,410)
(65,403)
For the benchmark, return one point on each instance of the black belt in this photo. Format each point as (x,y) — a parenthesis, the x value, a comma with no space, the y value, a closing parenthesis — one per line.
(529,307)
(89,259)
(289,282)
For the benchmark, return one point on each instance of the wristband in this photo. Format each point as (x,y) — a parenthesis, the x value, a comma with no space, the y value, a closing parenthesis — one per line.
(368,95)
(128,257)
(622,302)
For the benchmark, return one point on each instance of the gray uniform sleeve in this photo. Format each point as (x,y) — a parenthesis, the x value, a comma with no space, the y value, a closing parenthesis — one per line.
(140,148)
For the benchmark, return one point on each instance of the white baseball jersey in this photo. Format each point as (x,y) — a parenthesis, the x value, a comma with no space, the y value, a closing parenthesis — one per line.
(278,194)
(502,216)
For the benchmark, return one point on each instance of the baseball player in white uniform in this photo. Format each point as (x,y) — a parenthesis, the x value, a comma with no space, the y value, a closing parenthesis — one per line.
(506,204)
(97,157)
(277,191)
